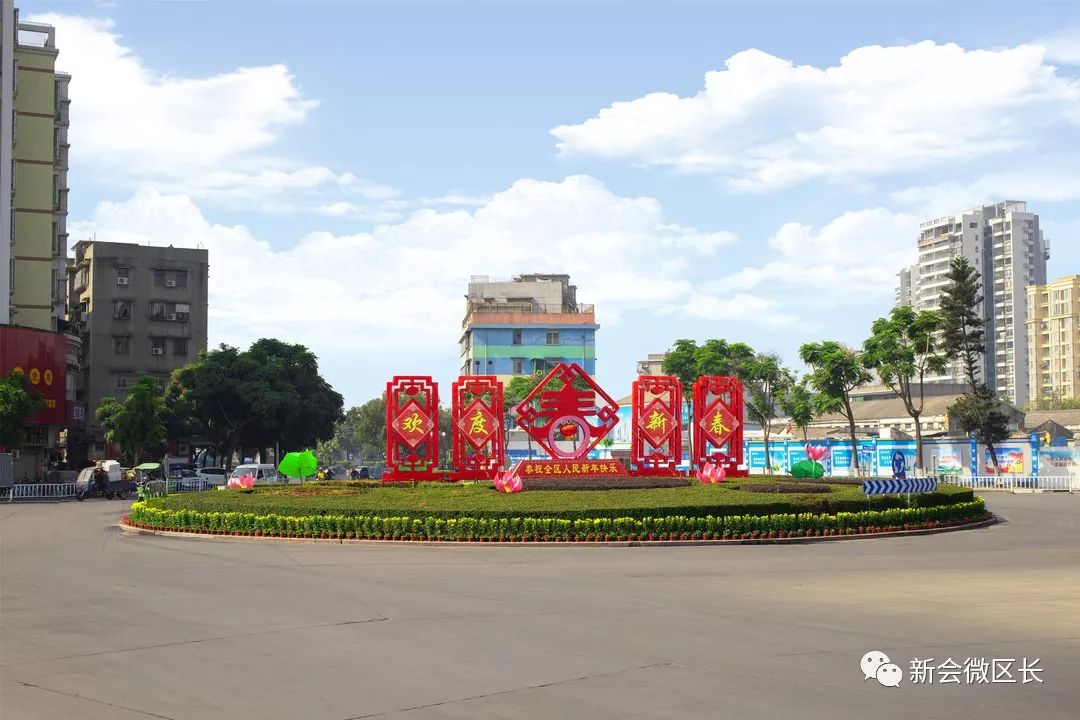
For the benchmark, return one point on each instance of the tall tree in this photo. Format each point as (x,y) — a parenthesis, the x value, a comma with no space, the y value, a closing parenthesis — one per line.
(763,377)
(904,350)
(980,412)
(836,372)
(18,403)
(367,424)
(797,401)
(682,362)
(137,424)
(963,328)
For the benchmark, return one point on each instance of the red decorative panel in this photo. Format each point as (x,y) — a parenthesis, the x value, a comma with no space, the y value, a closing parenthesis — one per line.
(718,428)
(412,429)
(656,435)
(567,408)
(478,430)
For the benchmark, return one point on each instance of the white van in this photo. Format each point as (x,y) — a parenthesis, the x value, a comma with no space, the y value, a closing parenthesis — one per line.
(264,474)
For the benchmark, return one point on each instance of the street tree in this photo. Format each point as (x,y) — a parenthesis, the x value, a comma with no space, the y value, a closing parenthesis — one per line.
(763,378)
(797,402)
(836,371)
(903,349)
(980,412)
(137,423)
(963,329)
(18,403)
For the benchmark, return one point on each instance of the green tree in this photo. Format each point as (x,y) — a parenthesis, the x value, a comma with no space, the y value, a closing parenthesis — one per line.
(836,371)
(763,378)
(367,428)
(681,362)
(137,424)
(797,402)
(980,412)
(963,327)
(18,403)
(903,349)
(1053,402)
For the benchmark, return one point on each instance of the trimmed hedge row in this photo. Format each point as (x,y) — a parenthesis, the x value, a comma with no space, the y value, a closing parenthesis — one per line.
(537,528)
(443,500)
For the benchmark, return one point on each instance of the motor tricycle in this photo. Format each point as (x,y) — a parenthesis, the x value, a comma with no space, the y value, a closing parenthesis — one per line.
(104,479)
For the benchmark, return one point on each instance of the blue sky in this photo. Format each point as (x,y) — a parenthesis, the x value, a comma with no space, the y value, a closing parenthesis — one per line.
(350,164)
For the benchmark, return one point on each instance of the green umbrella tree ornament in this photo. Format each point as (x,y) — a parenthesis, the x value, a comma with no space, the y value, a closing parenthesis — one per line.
(298,464)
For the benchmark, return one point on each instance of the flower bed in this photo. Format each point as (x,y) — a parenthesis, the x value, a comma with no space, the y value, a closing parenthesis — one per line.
(534,529)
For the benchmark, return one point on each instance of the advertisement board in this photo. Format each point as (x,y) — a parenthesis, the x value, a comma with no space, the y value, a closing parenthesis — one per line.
(949,462)
(41,356)
(1059,461)
(1010,461)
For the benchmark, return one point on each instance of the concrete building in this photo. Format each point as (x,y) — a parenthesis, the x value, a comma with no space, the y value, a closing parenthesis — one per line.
(653,365)
(8,39)
(1004,243)
(39,181)
(139,311)
(1053,338)
(907,279)
(525,326)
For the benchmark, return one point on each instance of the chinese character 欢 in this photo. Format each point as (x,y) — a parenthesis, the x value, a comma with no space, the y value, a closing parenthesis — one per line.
(413,423)
(922,671)
(949,672)
(1029,672)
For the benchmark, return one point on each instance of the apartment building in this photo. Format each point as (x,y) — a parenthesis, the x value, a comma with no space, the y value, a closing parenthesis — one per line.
(1053,337)
(1005,244)
(524,326)
(907,280)
(139,311)
(37,160)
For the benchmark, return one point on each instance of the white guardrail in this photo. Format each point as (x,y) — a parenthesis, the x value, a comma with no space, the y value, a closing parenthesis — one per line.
(39,491)
(1014,482)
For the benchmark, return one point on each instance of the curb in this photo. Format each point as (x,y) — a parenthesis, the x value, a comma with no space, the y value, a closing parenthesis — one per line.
(990,519)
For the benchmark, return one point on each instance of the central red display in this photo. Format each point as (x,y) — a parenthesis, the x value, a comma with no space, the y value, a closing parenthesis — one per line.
(567,413)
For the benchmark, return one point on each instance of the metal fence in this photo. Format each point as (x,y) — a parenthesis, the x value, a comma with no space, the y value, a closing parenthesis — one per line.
(1015,482)
(40,491)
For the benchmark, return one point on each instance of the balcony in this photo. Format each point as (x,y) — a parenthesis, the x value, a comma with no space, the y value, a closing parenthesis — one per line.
(527,313)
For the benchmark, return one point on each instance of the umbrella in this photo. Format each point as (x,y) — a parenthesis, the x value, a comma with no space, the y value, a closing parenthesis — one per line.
(148,466)
(298,464)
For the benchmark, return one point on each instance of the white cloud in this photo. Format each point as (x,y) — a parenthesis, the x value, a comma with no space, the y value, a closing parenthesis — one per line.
(364,290)
(1063,46)
(764,122)
(207,137)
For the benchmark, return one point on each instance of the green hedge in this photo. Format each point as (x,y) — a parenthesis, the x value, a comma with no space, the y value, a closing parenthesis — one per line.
(548,528)
(479,500)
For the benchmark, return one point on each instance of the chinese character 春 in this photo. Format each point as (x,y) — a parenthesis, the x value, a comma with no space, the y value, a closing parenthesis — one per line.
(717,427)
(478,424)
(1029,672)
(922,671)
(657,421)
(949,672)
(413,423)
(976,670)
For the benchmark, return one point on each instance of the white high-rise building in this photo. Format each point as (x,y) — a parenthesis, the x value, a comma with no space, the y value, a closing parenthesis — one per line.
(907,281)
(1004,244)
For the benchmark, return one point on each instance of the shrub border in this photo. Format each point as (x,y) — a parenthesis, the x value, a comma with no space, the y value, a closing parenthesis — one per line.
(526,530)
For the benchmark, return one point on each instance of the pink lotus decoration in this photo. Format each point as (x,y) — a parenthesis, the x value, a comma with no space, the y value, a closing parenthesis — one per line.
(508,482)
(244,482)
(815,453)
(711,474)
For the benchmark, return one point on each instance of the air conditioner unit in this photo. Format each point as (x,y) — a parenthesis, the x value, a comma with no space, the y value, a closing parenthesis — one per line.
(121,281)
(157,351)
(170,283)
(171,316)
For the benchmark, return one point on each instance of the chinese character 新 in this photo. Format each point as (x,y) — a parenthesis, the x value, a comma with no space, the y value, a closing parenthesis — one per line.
(657,421)
(922,671)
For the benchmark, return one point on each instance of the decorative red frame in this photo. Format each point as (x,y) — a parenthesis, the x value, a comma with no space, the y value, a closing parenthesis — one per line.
(567,406)
(413,455)
(719,394)
(475,460)
(648,457)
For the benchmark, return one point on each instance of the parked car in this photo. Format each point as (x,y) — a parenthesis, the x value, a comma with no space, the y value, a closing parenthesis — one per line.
(213,475)
(263,474)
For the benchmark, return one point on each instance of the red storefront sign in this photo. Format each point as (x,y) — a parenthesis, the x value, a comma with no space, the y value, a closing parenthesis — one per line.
(41,356)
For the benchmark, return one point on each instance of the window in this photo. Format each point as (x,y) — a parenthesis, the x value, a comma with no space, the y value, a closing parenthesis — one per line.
(123,273)
(157,311)
(157,346)
(121,382)
(552,337)
(518,366)
(515,337)
(180,278)
(180,347)
(170,278)
(159,278)
(121,345)
(122,309)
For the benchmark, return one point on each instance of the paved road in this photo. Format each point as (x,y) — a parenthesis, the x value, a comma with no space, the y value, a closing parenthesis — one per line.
(99,624)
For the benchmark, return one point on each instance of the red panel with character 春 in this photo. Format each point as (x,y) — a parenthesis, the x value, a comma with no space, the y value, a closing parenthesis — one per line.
(718,427)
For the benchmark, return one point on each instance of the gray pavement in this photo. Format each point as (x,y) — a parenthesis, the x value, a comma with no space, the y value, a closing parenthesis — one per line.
(95,623)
